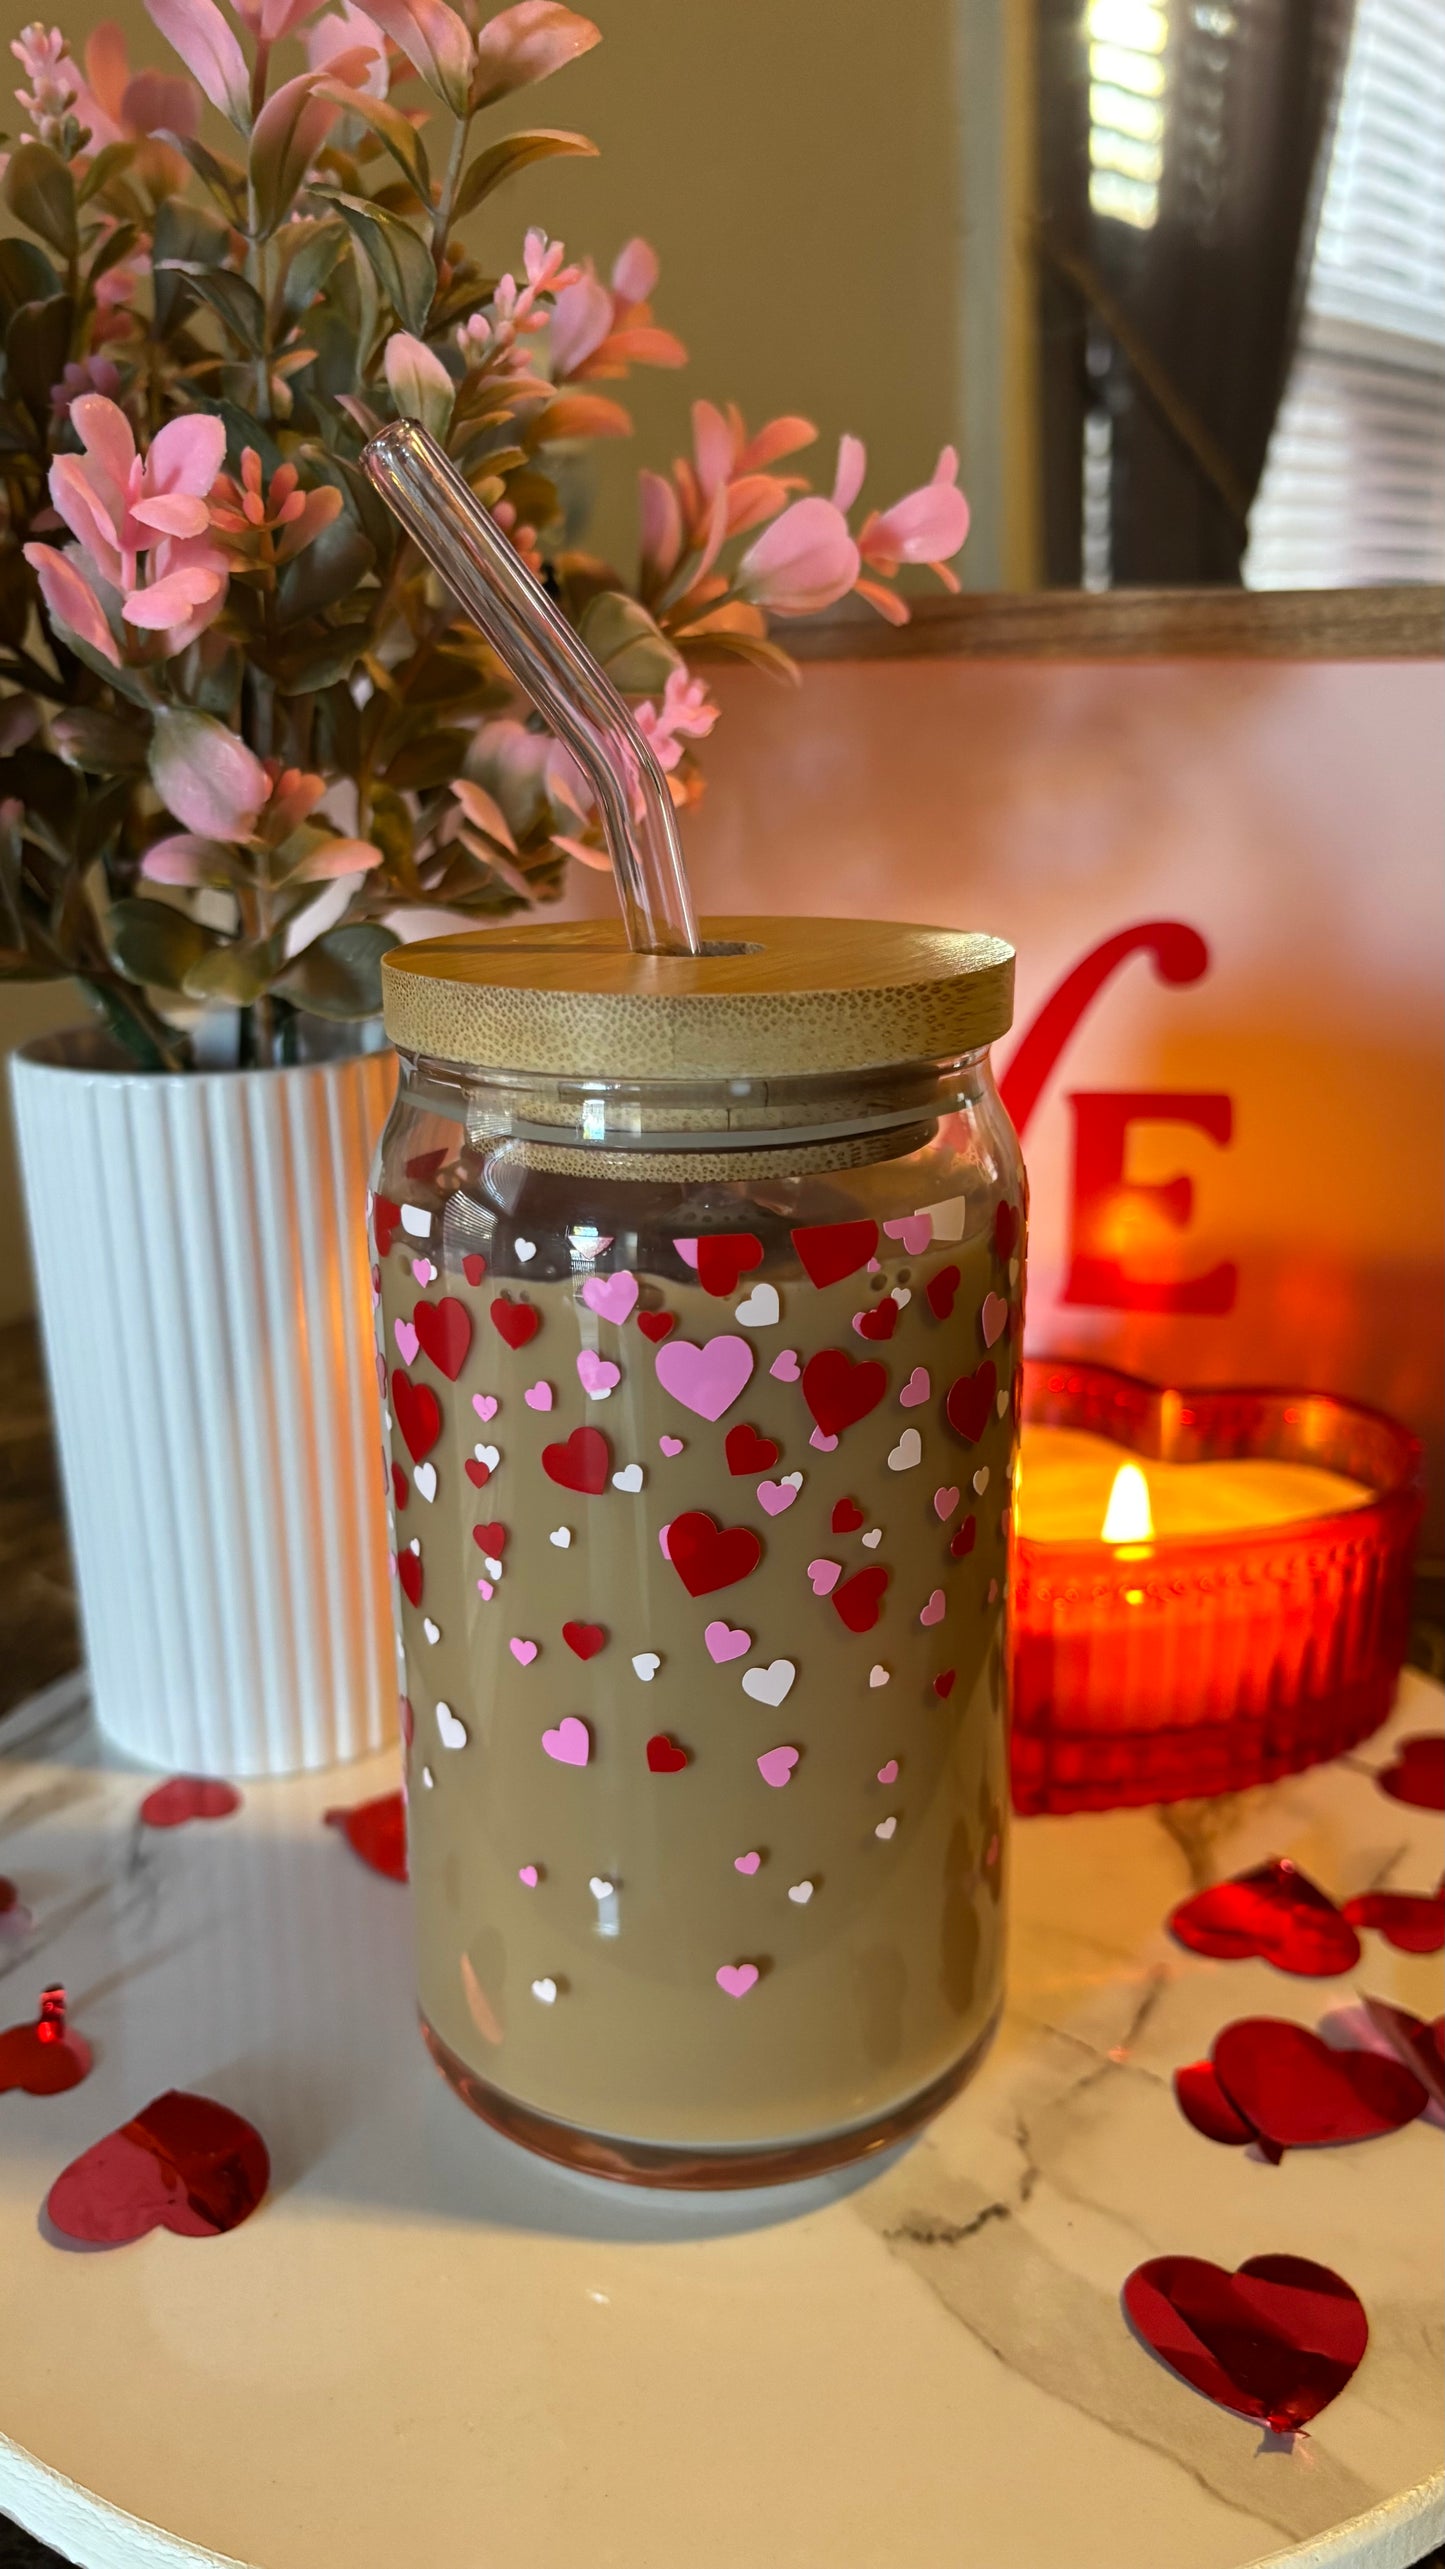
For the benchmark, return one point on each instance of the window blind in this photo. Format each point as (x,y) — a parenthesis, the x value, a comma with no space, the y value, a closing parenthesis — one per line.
(1354,485)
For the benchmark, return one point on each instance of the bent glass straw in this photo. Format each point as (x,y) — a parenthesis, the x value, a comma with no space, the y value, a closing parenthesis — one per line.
(490,580)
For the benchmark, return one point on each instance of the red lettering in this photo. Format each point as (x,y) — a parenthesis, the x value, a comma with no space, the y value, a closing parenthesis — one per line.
(1103,1194)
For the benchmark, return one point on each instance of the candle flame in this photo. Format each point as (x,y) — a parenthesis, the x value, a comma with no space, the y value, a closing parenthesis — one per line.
(1129,1518)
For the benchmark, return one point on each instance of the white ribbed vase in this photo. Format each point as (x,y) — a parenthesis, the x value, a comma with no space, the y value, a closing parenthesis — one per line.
(202,1277)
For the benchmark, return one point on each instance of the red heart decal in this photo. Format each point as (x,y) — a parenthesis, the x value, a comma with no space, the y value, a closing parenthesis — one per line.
(847,1517)
(859,1600)
(585,1639)
(1005,1229)
(477,1472)
(417,1412)
(943,1684)
(941,1292)
(423,1167)
(1420,2046)
(725,1257)
(1276,1912)
(515,1321)
(582,1464)
(1278,2340)
(656,1324)
(473,1267)
(879,1320)
(408,1571)
(1412,1921)
(444,1332)
(839,1391)
(747,1451)
(964,1538)
(1418,1773)
(1297,2093)
(47,2057)
(664,1757)
(8,1894)
(706,1555)
(490,1538)
(188,1797)
(831,1250)
(384,1218)
(1203,2103)
(184,2164)
(970,1402)
(376,1831)
(400,1487)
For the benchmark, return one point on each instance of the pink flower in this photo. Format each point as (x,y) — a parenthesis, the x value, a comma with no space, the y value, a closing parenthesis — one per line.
(142,524)
(227,799)
(685,713)
(726,488)
(87,374)
(659,527)
(196,30)
(526,43)
(70,600)
(804,561)
(251,517)
(927,526)
(597,332)
(44,58)
(119,105)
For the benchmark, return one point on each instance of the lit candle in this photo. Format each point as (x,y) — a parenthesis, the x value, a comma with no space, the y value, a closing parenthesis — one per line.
(1210,1588)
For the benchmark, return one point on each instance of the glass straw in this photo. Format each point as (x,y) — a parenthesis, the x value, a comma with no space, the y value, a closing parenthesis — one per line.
(488,577)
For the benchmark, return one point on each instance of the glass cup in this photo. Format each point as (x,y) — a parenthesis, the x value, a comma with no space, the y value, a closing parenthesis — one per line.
(702,1382)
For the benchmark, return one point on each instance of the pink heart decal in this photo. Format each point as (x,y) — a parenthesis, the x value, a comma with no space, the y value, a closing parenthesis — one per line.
(993,1319)
(747,1863)
(485,1406)
(538,1396)
(944,1503)
(724,1641)
(406,1339)
(524,1652)
(737,1978)
(687,1251)
(596,1375)
(889,1774)
(707,1380)
(611,1297)
(915,1232)
(825,1576)
(485,1591)
(570,1743)
(933,1612)
(663,1532)
(775,1496)
(825,1444)
(670,1445)
(916,1390)
(776,1765)
(528,1874)
(786,1368)
(423,1270)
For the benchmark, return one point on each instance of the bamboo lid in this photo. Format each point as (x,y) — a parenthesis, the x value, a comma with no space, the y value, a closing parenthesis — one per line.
(768,997)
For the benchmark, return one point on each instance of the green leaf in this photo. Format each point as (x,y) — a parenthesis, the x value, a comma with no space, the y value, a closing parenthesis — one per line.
(110,163)
(397,256)
(389,827)
(40,191)
(101,744)
(37,344)
(340,974)
(391,128)
(116,246)
(224,177)
(235,301)
(429,758)
(153,943)
(325,662)
(332,567)
(26,275)
(636,655)
(233,972)
(186,237)
(501,161)
(310,251)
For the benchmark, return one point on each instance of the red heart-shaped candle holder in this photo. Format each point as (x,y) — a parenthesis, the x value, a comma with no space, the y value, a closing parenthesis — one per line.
(1277,2340)
(1199,1665)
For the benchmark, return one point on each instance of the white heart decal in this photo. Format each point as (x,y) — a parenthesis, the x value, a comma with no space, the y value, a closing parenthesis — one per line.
(561,1535)
(871,1540)
(416,1221)
(885,1828)
(491,1455)
(647,1664)
(980,1479)
(878,1675)
(762,1309)
(424,1481)
(770,1685)
(802,1892)
(629,1479)
(432,1630)
(526,1251)
(451,1732)
(993,1319)
(601,1888)
(546,1991)
(907,1451)
(1001,1400)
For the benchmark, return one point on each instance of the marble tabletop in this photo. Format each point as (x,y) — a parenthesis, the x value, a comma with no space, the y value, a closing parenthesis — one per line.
(429,2347)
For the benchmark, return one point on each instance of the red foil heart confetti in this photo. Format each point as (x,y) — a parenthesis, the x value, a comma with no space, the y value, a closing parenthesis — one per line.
(1276,2341)
(1418,1773)
(1412,1921)
(1273,1912)
(1420,2046)
(183,2163)
(45,2058)
(189,1797)
(1276,2083)
(376,1831)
